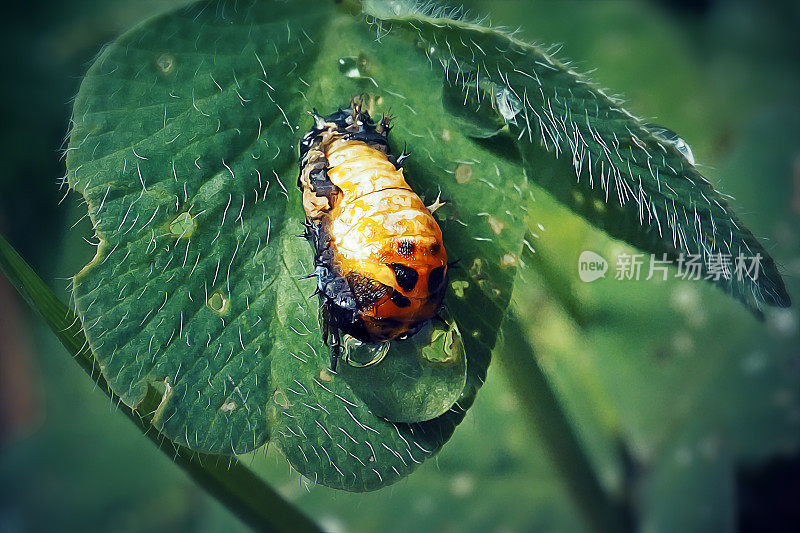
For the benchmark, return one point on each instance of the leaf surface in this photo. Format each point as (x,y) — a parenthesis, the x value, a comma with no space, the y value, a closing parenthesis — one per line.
(637,181)
(184,147)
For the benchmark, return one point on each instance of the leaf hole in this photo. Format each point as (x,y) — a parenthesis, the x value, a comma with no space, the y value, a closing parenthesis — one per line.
(459,286)
(228,407)
(280,399)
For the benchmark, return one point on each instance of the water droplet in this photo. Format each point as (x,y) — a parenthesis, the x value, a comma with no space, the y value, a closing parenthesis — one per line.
(354,66)
(438,345)
(386,9)
(673,138)
(218,303)
(507,104)
(183,226)
(360,354)
(348,67)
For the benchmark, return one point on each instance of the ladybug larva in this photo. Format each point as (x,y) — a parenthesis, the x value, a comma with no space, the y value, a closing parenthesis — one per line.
(380,263)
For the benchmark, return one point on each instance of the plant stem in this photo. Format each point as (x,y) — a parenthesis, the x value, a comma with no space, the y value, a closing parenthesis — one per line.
(238,488)
(525,374)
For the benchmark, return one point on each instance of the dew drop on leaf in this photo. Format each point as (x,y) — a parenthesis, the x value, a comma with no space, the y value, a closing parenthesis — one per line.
(411,380)
(673,138)
(359,354)
(349,67)
(507,104)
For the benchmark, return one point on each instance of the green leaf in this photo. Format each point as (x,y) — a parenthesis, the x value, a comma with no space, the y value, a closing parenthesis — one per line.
(701,389)
(184,147)
(636,181)
(420,378)
(546,415)
(236,486)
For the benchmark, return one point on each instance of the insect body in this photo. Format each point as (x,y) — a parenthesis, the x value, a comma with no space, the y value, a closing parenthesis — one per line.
(380,263)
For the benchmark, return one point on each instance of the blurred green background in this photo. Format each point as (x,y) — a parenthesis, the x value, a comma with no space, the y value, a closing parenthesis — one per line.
(678,394)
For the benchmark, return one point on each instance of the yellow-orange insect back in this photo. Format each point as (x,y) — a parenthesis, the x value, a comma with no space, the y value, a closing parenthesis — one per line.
(380,262)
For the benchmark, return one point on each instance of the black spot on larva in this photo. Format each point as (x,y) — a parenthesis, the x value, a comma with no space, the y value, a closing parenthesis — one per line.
(366,291)
(405,248)
(406,276)
(399,300)
(435,279)
(435,248)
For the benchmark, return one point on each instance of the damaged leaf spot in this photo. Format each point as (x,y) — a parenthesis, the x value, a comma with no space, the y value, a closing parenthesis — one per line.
(183,226)
(218,303)
(463,173)
(165,63)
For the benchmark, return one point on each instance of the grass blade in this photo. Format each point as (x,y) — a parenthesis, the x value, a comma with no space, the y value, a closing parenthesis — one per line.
(543,409)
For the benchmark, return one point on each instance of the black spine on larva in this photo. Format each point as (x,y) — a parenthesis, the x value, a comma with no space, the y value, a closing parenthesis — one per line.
(340,305)
(353,125)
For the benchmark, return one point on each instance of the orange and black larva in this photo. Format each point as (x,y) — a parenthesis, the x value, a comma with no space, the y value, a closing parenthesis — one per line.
(380,263)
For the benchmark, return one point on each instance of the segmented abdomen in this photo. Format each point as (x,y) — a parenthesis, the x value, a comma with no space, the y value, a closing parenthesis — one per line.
(380,227)
(380,262)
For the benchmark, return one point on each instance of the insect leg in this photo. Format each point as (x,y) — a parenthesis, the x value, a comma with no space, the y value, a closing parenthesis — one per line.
(335,347)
